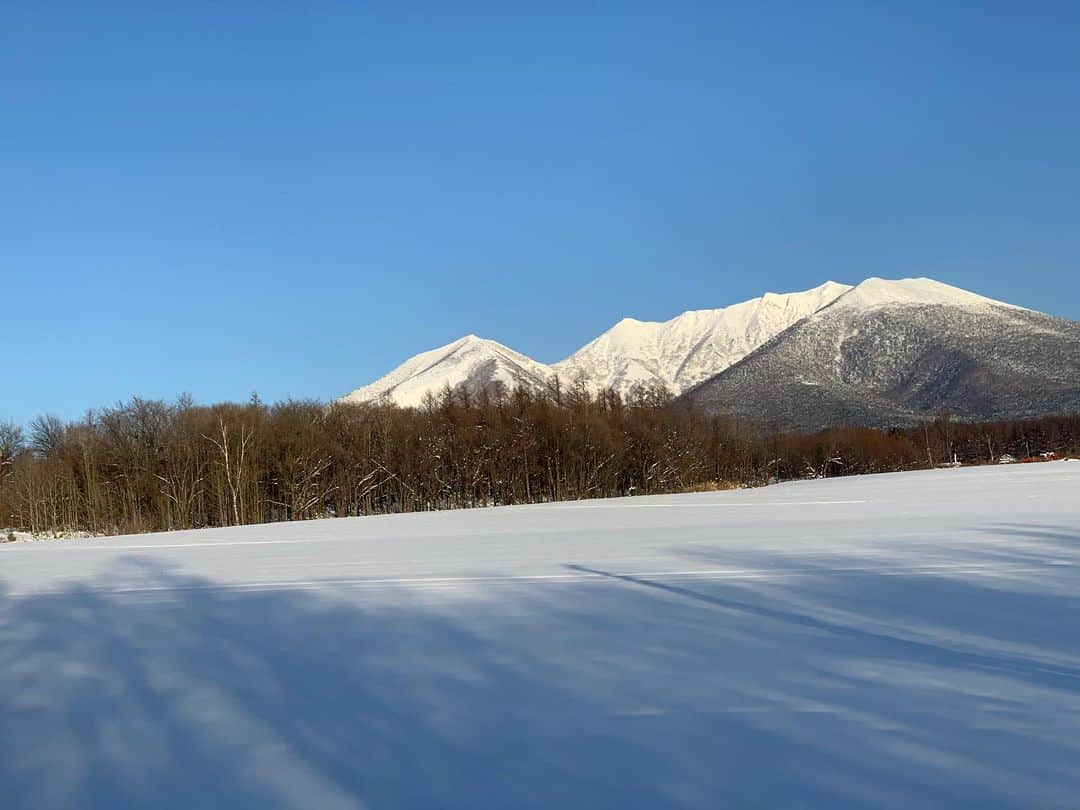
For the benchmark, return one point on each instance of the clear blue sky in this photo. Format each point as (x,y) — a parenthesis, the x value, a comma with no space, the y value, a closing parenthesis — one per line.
(224,202)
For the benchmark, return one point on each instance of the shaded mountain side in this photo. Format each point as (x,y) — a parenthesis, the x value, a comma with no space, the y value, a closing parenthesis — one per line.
(881,353)
(693,346)
(897,363)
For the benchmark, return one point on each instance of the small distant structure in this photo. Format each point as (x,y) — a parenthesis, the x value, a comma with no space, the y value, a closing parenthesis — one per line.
(1039,458)
(950,464)
(1006,459)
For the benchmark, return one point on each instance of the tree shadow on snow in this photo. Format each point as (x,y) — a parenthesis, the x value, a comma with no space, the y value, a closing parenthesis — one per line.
(611,691)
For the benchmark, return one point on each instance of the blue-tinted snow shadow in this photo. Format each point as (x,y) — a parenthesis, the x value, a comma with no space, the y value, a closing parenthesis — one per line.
(600,693)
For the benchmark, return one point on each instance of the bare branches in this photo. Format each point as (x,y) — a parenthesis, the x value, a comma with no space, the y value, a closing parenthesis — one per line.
(147,465)
(232,443)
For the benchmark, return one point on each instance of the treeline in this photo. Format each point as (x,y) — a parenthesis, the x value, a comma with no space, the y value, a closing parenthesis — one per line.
(846,451)
(150,465)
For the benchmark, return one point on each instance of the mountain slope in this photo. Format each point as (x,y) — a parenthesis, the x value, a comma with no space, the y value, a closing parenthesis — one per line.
(693,346)
(890,352)
(677,354)
(471,361)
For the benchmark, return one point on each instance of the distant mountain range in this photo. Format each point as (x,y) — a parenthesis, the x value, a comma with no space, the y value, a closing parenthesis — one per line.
(693,347)
(880,353)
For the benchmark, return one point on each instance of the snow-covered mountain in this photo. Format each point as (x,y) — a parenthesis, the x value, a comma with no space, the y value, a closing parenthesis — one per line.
(677,353)
(891,352)
(470,361)
(880,353)
(693,346)
(875,293)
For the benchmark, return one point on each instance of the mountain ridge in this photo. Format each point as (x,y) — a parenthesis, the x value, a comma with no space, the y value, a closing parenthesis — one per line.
(887,360)
(881,352)
(693,345)
(630,352)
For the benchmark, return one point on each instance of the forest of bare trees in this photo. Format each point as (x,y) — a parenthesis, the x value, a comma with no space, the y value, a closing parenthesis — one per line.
(150,466)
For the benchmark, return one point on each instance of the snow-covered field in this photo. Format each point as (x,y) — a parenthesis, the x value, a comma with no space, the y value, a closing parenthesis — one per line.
(894,641)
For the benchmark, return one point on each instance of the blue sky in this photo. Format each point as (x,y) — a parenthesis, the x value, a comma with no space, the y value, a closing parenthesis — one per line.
(220,202)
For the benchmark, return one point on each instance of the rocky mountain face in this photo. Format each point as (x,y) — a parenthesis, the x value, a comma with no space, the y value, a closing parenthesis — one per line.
(692,347)
(894,352)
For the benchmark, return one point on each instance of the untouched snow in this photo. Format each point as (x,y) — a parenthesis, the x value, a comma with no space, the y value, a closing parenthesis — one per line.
(879,292)
(888,641)
(693,346)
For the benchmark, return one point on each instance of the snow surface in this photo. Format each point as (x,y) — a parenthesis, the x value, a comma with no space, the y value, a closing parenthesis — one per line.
(889,641)
(878,292)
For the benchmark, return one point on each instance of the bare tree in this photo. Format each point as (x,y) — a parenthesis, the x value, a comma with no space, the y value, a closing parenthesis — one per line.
(233,444)
(145,465)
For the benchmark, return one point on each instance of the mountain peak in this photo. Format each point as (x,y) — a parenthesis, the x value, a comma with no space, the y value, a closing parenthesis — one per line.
(893,352)
(831,285)
(692,346)
(470,361)
(471,340)
(876,292)
(679,353)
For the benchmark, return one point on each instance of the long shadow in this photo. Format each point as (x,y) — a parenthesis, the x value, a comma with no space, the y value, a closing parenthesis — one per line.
(566,694)
(1062,677)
